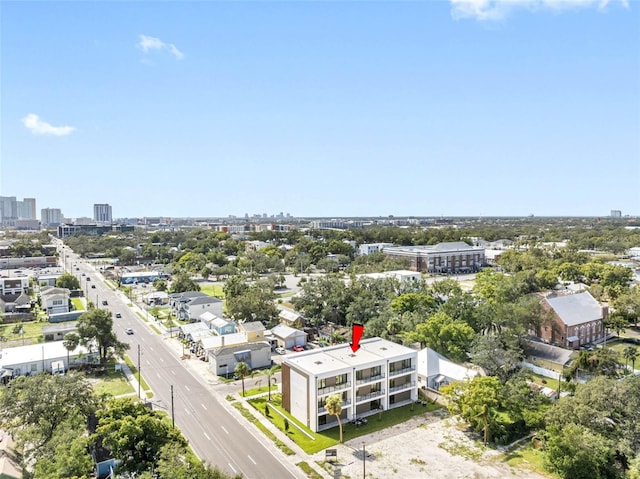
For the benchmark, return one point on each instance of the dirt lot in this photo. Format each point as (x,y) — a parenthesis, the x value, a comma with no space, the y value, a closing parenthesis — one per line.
(426,447)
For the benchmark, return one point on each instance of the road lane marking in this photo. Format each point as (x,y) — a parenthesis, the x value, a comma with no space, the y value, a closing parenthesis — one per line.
(158,374)
(232,468)
(162,360)
(150,348)
(251,459)
(207,436)
(173,372)
(223,428)
(203,406)
(187,411)
(187,388)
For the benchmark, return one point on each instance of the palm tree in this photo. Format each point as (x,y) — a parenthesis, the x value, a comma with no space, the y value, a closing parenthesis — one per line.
(271,372)
(242,370)
(333,405)
(70,343)
(630,354)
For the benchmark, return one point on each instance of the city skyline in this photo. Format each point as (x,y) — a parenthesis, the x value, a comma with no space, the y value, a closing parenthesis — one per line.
(336,109)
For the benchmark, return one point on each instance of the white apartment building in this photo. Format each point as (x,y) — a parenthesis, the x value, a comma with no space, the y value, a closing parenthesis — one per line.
(102,213)
(380,375)
(51,216)
(368,248)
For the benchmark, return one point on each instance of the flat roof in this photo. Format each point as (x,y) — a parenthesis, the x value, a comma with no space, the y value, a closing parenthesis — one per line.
(326,360)
(36,352)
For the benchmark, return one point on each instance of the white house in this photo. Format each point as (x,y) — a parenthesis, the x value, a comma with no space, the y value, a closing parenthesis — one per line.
(223,360)
(55,300)
(35,358)
(369,248)
(434,370)
(190,305)
(379,375)
(287,337)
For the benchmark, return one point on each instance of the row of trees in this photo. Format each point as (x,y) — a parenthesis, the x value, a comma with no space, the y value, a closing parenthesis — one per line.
(58,420)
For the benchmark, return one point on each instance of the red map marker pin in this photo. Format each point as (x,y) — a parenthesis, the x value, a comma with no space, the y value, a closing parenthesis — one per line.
(356,334)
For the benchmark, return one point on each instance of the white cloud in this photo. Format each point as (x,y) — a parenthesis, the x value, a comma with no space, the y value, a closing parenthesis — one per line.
(36,125)
(499,9)
(148,43)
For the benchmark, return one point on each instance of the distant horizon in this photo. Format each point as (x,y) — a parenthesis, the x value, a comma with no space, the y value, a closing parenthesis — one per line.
(453,107)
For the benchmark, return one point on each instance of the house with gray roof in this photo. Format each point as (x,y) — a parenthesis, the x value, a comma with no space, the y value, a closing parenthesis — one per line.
(223,360)
(576,319)
(190,305)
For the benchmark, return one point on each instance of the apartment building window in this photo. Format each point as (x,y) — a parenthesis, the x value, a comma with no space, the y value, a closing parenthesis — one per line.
(341,379)
(322,383)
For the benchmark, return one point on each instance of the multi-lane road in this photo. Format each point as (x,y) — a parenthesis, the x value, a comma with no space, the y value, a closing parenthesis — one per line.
(214,434)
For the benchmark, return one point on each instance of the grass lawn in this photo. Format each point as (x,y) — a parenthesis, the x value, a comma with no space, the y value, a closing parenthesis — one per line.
(330,437)
(32,331)
(527,457)
(260,390)
(134,371)
(78,304)
(214,290)
(113,382)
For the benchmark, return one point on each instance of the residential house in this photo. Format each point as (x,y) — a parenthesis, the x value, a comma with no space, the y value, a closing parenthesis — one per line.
(15,286)
(254,330)
(190,305)
(57,332)
(291,318)
(36,358)
(380,375)
(287,337)
(218,325)
(54,300)
(435,371)
(15,303)
(576,319)
(223,360)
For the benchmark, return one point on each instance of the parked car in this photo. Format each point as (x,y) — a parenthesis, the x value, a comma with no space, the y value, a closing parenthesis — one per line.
(298,348)
(281,351)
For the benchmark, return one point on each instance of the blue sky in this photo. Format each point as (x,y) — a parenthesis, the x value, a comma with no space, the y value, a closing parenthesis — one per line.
(456,108)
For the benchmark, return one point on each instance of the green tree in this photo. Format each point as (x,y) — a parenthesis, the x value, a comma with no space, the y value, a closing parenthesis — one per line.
(160,284)
(96,325)
(66,455)
(35,407)
(135,434)
(444,335)
(178,463)
(68,281)
(575,452)
(182,283)
(476,402)
(242,370)
(271,373)
(333,405)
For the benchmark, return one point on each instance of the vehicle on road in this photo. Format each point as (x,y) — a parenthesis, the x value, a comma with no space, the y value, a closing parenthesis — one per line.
(129,330)
(118,315)
(281,351)
(93,286)
(298,348)
(105,303)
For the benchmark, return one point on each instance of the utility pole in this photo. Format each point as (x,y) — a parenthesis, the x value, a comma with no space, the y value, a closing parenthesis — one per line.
(139,396)
(173,421)
(364,462)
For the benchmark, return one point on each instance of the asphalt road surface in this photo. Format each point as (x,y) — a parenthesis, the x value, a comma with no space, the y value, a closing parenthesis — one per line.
(214,434)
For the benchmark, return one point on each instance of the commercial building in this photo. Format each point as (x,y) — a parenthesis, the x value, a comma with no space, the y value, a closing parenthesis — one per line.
(102,213)
(51,217)
(380,375)
(369,248)
(453,257)
(11,210)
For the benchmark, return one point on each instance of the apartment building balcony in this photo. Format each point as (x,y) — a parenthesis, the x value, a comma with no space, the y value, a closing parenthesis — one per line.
(370,379)
(371,395)
(401,387)
(400,372)
(333,388)
(323,410)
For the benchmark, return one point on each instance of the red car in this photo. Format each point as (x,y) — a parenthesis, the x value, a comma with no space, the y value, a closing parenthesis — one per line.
(298,348)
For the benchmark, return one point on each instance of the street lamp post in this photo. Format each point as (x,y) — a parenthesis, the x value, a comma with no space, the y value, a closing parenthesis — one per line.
(364,461)
(139,396)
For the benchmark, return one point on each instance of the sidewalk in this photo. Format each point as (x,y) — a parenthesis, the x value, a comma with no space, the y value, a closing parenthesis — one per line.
(9,467)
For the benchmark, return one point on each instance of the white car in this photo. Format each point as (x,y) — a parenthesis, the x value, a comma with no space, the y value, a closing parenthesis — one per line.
(129,330)
(281,351)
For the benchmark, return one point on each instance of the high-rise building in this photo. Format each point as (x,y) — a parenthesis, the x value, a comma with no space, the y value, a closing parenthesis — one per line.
(616,214)
(26,209)
(102,213)
(8,208)
(51,216)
